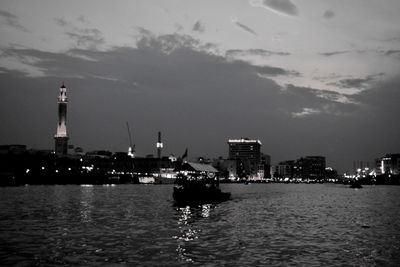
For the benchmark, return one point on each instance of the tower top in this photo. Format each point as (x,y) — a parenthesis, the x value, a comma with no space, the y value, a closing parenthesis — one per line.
(63,94)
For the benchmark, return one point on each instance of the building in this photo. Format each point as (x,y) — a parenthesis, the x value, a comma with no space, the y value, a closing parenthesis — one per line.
(285,169)
(311,167)
(12,149)
(159,145)
(61,137)
(226,168)
(247,153)
(389,164)
(266,165)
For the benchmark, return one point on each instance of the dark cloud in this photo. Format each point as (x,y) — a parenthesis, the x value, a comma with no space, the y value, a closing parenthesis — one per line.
(257,52)
(197,99)
(392,53)
(273,71)
(393,39)
(246,28)
(334,53)
(284,6)
(83,19)
(360,83)
(61,22)
(199,27)
(83,37)
(11,20)
(87,37)
(328,14)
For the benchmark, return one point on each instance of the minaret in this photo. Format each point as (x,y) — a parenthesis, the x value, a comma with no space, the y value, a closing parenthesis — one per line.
(159,145)
(61,137)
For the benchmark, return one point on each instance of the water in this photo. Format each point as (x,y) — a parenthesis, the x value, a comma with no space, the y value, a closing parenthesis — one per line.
(263,225)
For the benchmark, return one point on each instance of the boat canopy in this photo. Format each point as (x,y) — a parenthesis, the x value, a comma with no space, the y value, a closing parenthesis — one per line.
(198,167)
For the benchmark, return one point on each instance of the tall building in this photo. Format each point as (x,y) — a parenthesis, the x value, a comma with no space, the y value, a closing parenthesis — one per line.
(247,153)
(311,167)
(159,145)
(389,164)
(61,137)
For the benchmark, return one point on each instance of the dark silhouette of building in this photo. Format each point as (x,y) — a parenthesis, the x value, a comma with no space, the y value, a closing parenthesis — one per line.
(61,137)
(285,169)
(247,154)
(12,149)
(311,167)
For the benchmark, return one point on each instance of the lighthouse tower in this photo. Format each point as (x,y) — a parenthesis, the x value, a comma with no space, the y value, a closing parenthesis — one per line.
(61,137)
(159,145)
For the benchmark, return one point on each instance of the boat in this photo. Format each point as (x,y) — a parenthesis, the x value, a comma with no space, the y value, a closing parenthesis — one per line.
(198,184)
(199,192)
(356,184)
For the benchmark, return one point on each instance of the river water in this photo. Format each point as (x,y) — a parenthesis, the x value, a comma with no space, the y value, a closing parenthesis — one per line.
(138,225)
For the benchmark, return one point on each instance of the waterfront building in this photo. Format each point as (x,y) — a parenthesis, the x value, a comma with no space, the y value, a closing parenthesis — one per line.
(311,167)
(285,169)
(226,168)
(265,165)
(247,153)
(61,137)
(388,164)
(154,165)
(12,149)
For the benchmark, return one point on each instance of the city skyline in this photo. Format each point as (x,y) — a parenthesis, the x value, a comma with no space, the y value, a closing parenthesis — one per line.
(304,77)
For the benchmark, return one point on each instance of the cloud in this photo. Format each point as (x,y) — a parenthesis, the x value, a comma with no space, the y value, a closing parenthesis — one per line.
(334,53)
(305,112)
(359,83)
(177,84)
(328,14)
(198,27)
(87,37)
(268,71)
(83,19)
(61,22)
(395,53)
(168,43)
(256,52)
(11,20)
(178,27)
(281,7)
(392,39)
(84,37)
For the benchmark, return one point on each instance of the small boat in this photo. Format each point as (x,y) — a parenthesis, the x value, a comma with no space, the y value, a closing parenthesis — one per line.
(356,184)
(198,191)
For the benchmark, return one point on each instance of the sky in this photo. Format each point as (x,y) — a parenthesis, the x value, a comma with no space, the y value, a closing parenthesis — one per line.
(306,77)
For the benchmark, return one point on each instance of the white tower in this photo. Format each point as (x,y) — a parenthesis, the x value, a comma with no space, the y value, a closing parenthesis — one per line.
(159,145)
(61,137)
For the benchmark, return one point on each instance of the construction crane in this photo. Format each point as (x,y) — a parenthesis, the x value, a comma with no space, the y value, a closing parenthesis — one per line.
(131,149)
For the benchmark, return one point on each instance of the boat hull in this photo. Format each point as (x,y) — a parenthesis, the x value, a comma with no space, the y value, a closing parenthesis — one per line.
(187,196)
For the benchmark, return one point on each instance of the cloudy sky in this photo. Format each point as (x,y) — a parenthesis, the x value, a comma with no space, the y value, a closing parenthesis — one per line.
(306,77)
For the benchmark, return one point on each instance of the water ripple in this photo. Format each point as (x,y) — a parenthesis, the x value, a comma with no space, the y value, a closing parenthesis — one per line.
(263,225)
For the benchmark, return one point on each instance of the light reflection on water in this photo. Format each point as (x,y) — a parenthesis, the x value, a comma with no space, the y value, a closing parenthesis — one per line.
(86,207)
(187,231)
(267,225)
